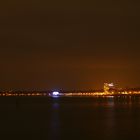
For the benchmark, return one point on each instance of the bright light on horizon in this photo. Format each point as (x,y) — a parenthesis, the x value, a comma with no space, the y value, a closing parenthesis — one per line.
(111,84)
(55,93)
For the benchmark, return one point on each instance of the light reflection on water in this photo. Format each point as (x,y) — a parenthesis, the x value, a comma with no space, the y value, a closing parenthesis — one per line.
(71,118)
(107,109)
(55,121)
(110,119)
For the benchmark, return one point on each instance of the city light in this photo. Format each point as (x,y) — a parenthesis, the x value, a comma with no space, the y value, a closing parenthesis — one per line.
(55,94)
(108,90)
(111,84)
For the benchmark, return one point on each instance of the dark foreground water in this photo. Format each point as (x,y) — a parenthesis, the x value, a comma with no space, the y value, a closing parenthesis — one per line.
(71,118)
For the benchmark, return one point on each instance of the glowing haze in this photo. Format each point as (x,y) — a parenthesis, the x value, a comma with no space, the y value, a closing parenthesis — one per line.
(69,45)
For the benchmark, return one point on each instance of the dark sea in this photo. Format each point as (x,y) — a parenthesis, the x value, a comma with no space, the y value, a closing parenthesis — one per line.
(70,118)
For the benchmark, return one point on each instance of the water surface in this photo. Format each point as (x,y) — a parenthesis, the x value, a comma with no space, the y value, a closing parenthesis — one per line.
(69,118)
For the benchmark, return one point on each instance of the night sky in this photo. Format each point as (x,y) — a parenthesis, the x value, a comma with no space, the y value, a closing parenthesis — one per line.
(60,44)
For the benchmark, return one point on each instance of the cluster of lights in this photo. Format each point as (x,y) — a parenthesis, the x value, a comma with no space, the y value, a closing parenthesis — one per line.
(109,90)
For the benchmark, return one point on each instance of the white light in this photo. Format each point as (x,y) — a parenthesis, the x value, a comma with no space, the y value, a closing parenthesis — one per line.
(111,85)
(55,93)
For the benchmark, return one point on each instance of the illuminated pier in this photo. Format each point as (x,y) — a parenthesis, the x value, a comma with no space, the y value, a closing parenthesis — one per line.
(101,93)
(108,90)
